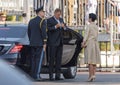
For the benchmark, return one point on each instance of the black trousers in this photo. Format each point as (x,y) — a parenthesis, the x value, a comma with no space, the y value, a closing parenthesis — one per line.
(55,53)
(35,60)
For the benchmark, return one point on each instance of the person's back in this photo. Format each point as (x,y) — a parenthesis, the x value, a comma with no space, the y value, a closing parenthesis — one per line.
(37,36)
(35,32)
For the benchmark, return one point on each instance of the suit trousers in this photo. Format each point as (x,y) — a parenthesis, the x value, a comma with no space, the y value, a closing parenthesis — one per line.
(55,53)
(35,60)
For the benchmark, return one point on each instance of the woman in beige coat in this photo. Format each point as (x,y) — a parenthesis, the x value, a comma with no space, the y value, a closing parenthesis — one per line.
(92,52)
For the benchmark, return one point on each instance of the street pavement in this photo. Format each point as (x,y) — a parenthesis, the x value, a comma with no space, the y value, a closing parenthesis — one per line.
(102,78)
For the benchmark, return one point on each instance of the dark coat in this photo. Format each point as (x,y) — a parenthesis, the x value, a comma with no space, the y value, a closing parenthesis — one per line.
(55,36)
(36,34)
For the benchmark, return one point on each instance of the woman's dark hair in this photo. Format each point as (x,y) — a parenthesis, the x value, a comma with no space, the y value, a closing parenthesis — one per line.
(92,16)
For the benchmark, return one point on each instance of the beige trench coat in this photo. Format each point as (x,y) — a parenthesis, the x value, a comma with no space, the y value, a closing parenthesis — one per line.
(92,52)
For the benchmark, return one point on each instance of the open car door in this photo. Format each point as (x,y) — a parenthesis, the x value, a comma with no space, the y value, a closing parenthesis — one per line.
(72,47)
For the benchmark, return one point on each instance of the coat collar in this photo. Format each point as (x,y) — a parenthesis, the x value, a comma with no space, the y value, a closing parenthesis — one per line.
(56,19)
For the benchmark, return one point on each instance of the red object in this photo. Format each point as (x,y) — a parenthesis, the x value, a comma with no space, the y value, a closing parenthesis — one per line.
(16,49)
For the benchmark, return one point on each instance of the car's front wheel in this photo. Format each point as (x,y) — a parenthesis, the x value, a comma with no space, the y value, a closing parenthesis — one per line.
(70,72)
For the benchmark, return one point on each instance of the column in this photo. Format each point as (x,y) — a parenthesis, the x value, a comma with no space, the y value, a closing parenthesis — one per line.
(26,8)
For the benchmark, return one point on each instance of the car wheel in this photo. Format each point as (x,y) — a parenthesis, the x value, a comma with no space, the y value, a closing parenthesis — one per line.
(70,72)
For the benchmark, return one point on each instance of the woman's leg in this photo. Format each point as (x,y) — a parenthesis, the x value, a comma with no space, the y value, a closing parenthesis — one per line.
(94,70)
(90,70)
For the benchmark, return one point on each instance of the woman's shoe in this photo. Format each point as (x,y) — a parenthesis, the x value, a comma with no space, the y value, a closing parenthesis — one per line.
(91,79)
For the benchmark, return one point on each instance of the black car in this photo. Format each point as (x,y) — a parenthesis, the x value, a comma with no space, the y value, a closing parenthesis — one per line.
(14,47)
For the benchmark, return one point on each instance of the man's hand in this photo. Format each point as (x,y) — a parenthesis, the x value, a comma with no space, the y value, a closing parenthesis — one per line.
(62,25)
(44,47)
(58,25)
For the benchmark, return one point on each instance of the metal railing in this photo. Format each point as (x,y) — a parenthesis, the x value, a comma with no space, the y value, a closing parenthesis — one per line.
(75,14)
(106,17)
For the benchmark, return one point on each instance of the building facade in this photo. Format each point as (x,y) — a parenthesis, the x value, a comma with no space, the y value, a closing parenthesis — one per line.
(16,8)
(11,7)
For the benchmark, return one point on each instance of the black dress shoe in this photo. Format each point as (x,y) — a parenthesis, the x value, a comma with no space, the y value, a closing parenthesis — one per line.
(58,78)
(38,79)
(52,79)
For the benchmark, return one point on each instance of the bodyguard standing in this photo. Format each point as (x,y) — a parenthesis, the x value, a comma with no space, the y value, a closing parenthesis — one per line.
(55,27)
(37,36)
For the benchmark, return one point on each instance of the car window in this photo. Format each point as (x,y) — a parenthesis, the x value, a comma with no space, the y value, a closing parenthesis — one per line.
(69,37)
(13,31)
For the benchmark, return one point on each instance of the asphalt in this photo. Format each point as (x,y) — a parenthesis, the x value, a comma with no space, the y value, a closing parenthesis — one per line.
(102,78)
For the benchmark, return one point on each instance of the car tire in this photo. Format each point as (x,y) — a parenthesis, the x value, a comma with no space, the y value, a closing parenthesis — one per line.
(70,72)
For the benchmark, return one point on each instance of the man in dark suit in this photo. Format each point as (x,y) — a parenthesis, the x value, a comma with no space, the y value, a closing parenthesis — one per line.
(37,36)
(55,27)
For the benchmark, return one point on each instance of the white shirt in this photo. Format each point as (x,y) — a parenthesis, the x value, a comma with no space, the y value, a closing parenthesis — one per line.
(59,23)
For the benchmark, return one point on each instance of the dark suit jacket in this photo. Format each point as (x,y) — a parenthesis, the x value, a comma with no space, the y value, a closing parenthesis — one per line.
(55,36)
(36,34)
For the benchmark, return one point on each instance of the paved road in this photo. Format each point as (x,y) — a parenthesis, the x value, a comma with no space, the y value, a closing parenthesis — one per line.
(81,79)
